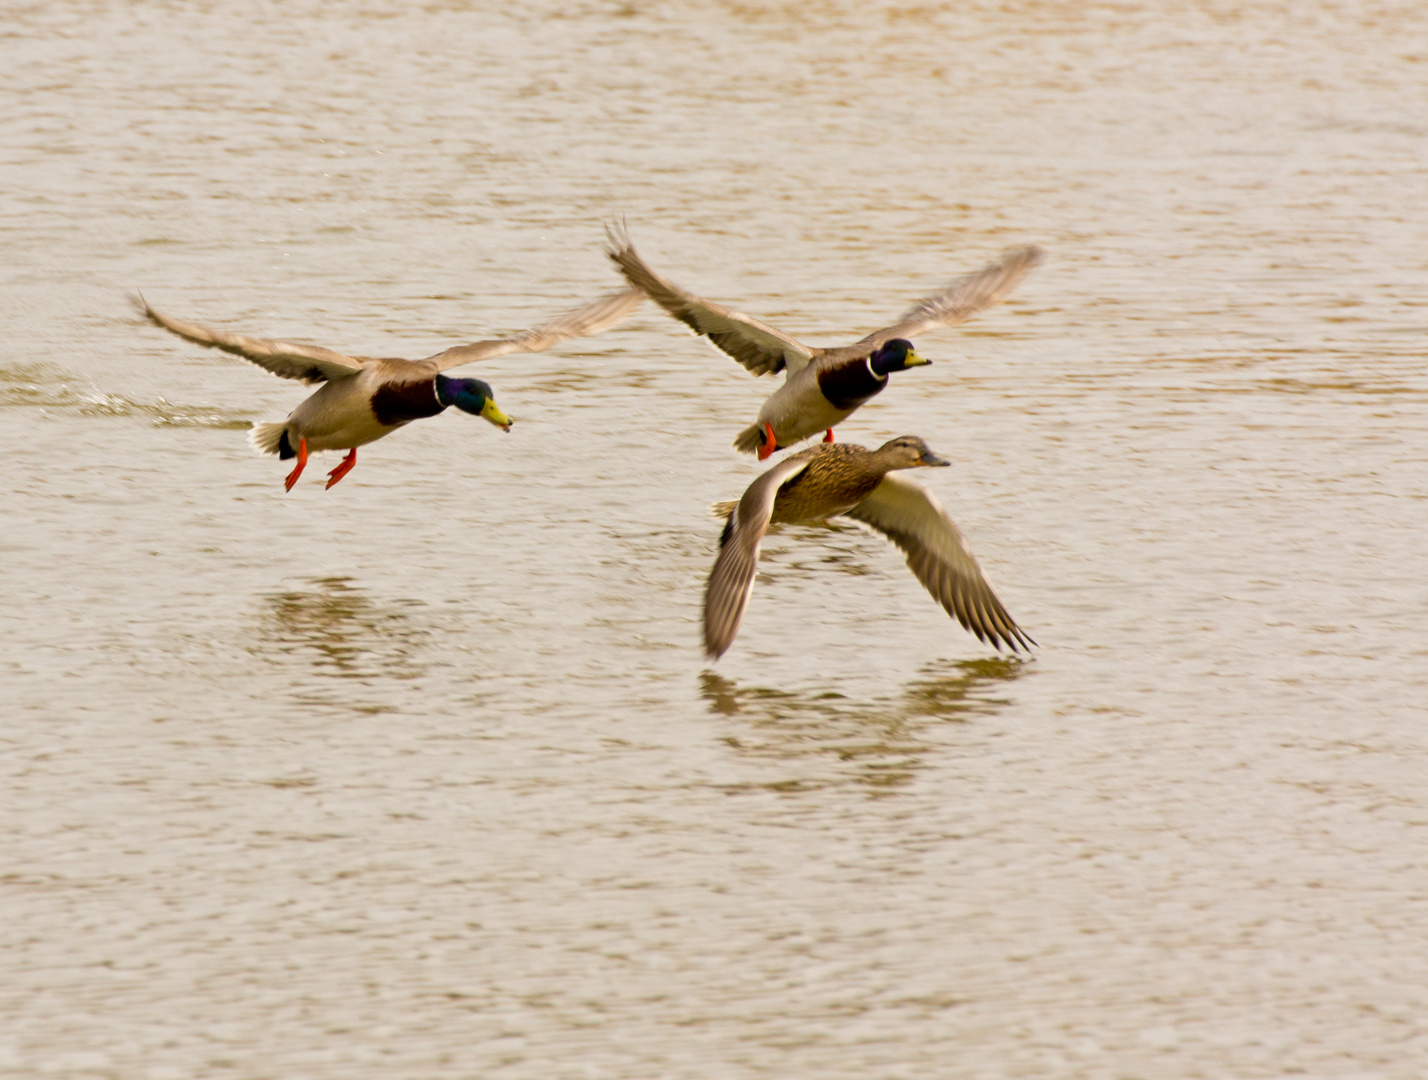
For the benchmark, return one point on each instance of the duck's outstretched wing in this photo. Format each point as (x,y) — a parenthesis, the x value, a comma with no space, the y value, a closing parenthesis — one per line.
(582,322)
(306,363)
(732,579)
(909,516)
(758,346)
(962,299)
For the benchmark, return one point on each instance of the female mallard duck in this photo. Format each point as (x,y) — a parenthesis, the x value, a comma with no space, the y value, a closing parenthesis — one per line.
(823,386)
(366,398)
(846,479)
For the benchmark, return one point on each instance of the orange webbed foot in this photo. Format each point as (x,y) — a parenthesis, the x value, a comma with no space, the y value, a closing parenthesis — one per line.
(768,444)
(828,435)
(298,468)
(343,468)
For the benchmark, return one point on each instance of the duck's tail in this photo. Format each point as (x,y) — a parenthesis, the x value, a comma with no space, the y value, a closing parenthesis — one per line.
(750,439)
(271,439)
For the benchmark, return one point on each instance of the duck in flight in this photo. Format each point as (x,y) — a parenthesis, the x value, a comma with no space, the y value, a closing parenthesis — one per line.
(823,386)
(364,398)
(849,480)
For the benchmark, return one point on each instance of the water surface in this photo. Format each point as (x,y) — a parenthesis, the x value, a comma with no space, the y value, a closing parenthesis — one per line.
(424,776)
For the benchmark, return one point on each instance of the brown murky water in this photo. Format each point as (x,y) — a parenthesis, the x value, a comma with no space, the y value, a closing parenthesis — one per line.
(425,777)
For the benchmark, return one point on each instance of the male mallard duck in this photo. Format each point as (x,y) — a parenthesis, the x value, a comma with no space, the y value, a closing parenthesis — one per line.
(366,398)
(846,479)
(823,386)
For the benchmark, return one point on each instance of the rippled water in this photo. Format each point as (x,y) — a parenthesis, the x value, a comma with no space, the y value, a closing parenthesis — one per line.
(424,776)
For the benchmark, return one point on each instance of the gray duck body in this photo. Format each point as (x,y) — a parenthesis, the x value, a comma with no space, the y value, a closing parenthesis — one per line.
(361,408)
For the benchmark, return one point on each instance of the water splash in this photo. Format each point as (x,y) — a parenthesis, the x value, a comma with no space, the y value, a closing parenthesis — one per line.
(47,386)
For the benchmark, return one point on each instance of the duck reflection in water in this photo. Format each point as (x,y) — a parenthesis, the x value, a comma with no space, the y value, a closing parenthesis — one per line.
(833,740)
(340,632)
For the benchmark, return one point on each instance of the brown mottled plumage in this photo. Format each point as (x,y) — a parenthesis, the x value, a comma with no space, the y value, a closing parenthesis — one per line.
(845,479)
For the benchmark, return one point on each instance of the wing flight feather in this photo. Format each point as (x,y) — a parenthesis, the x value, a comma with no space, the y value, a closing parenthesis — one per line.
(593,318)
(305,363)
(732,580)
(962,299)
(938,556)
(761,348)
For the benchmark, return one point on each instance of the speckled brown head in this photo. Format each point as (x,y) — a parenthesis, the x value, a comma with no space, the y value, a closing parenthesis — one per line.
(909,452)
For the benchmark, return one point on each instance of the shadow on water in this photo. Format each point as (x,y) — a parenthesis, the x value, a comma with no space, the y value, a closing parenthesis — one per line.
(334,631)
(878,744)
